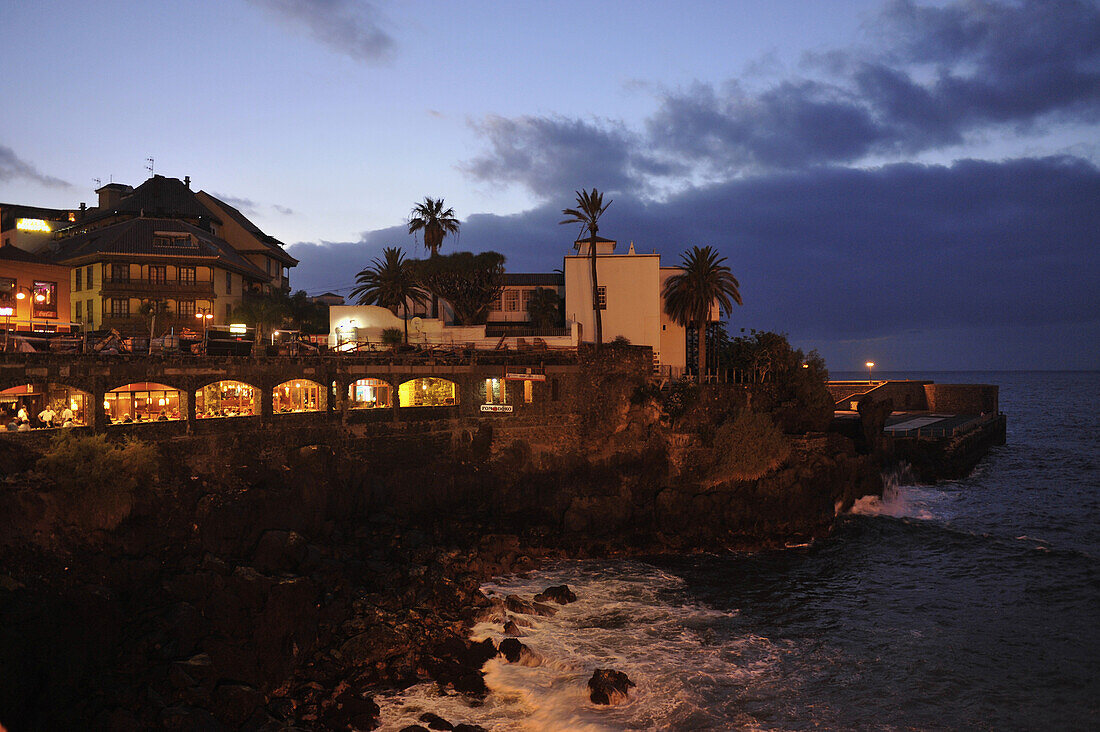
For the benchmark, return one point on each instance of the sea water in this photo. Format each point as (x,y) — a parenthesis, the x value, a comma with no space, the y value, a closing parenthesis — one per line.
(971,604)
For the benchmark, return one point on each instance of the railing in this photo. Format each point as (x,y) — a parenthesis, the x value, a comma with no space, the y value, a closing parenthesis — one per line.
(165,287)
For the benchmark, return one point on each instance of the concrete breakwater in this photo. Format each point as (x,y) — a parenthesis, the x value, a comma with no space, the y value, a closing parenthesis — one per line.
(276,576)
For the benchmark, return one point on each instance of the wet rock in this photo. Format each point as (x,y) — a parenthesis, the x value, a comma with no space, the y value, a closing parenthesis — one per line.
(377,643)
(415,728)
(279,551)
(608,686)
(470,728)
(434,721)
(516,652)
(512,630)
(351,710)
(560,594)
(517,604)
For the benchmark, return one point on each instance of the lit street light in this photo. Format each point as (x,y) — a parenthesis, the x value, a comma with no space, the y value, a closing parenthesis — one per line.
(870,365)
(204,315)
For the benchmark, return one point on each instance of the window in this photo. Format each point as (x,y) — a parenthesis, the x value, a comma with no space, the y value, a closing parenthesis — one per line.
(170,239)
(511,300)
(44,302)
(77,283)
(158,273)
(601,297)
(120,307)
(79,307)
(186,308)
(267,264)
(91,312)
(228,311)
(187,274)
(120,273)
(7,291)
(90,270)
(494,391)
(524,299)
(494,306)
(228,284)
(528,391)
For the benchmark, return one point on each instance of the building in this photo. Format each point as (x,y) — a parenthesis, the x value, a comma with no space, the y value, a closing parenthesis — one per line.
(184,253)
(34,292)
(328,298)
(510,315)
(631,304)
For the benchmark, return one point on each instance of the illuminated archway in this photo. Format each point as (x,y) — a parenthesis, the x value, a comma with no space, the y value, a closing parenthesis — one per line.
(71,407)
(428,391)
(299,395)
(143,401)
(227,399)
(370,394)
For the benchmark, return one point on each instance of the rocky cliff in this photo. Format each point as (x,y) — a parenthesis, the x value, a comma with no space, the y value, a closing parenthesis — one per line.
(276,578)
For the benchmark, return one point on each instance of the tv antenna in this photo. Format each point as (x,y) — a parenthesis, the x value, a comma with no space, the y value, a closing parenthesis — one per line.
(149,165)
(98,182)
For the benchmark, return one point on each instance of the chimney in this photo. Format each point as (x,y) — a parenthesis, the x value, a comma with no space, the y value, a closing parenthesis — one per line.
(187,181)
(111,194)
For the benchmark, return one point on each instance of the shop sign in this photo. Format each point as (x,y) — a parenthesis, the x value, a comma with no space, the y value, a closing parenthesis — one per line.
(524,377)
(496,407)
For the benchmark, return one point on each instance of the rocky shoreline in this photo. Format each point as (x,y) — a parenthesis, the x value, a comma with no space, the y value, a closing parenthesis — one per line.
(283,592)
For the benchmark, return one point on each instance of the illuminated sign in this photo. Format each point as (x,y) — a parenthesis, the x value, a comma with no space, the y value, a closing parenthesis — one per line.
(496,407)
(32,225)
(7,312)
(237,328)
(524,377)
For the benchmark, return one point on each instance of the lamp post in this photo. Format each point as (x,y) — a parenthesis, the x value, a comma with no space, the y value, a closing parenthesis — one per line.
(7,311)
(22,293)
(870,365)
(204,315)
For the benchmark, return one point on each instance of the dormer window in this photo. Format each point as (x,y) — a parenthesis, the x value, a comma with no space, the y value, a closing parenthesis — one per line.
(173,239)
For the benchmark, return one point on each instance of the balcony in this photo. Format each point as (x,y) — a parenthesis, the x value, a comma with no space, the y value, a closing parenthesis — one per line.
(134,325)
(165,288)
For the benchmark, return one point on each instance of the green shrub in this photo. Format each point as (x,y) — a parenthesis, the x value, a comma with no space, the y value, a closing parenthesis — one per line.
(748,447)
(98,478)
(392,336)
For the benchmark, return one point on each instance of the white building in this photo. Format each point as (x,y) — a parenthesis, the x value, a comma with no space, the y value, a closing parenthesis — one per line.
(630,286)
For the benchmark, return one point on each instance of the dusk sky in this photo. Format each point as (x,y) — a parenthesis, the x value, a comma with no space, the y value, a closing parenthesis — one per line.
(915,183)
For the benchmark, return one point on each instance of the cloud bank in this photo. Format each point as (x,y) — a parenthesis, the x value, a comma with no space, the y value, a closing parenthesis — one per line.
(13,168)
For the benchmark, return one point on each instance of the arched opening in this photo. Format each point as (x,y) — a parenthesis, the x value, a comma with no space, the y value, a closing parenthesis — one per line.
(370,394)
(227,399)
(144,401)
(44,405)
(299,395)
(428,391)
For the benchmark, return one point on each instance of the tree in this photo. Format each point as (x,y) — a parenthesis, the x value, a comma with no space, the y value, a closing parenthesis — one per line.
(150,309)
(389,282)
(431,218)
(590,207)
(543,307)
(261,312)
(469,282)
(690,294)
(306,315)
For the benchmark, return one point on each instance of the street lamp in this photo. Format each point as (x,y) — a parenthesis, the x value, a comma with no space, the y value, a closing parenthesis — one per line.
(204,315)
(870,365)
(22,292)
(7,311)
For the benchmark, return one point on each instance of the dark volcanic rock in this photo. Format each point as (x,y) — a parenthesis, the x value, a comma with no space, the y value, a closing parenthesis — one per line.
(517,604)
(608,686)
(511,629)
(470,728)
(516,652)
(279,551)
(560,594)
(434,721)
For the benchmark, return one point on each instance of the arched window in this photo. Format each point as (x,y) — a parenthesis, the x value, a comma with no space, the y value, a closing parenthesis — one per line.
(71,407)
(227,399)
(299,395)
(428,392)
(143,401)
(369,394)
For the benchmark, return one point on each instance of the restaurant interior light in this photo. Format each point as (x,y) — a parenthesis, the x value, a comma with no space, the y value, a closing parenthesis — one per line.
(7,312)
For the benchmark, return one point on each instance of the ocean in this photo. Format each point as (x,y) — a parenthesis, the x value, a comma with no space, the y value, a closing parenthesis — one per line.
(970,604)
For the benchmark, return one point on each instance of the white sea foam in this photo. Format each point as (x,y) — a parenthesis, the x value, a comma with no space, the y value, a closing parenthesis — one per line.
(631,622)
(902,499)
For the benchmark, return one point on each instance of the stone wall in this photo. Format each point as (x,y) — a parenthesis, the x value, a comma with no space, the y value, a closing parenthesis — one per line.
(962,398)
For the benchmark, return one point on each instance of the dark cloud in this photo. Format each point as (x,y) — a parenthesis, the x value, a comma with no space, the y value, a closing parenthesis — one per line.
(943,74)
(284,210)
(848,259)
(13,168)
(549,154)
(348,26)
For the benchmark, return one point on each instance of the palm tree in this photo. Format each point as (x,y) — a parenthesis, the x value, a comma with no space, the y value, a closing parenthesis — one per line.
(690,294)
(436,223)
(390,283)
(542,308)
(263,312)
(590,207)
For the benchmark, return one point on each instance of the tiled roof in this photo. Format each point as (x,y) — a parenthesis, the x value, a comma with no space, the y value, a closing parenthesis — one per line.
(271,244)
(158,196)
(134,237)
(538,279)
(12,253)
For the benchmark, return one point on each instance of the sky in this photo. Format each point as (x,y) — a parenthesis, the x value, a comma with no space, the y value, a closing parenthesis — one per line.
(911,182)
